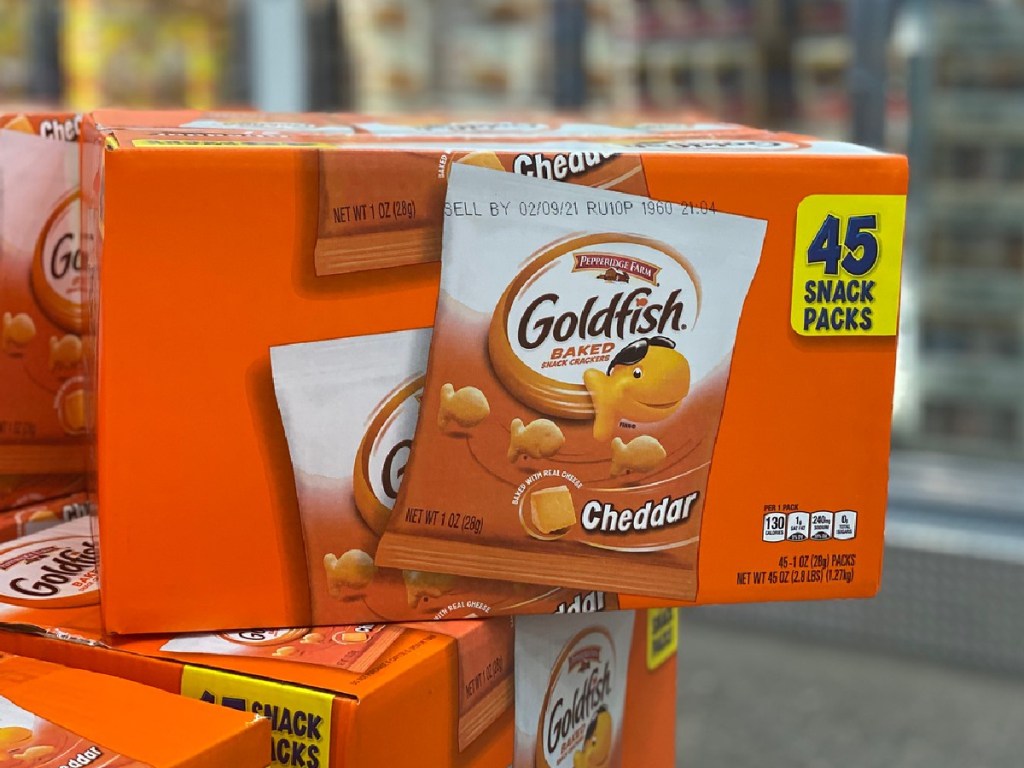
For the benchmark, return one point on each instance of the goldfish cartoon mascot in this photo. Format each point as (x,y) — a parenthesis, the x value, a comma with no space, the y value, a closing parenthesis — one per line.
(645,381)
(597,748)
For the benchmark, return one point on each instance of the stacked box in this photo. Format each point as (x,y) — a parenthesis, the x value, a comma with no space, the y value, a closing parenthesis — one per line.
(225,248)
(337,696)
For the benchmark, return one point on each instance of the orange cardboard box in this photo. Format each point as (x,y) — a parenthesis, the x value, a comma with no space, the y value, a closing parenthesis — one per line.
(209,245)
(428,698)
(42,446)
(334,695)
(54,716)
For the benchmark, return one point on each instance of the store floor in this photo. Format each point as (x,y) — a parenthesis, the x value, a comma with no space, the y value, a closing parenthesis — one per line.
(752,700)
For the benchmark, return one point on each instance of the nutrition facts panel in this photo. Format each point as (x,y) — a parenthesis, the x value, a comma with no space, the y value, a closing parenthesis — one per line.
(800,525)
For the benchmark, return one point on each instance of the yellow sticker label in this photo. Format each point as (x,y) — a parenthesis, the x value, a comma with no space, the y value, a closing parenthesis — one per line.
(662,636)
(300,717)
(228,143)
(846,265)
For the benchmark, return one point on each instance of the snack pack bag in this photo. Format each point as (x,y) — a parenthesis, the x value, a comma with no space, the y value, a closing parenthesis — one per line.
(576,381)
(42,407)
(570,681)
(349,408)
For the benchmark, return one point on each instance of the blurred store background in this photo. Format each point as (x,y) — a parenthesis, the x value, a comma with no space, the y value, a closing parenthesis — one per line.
(932,672)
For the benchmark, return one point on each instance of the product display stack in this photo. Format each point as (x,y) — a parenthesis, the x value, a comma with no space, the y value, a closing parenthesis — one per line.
(409,436)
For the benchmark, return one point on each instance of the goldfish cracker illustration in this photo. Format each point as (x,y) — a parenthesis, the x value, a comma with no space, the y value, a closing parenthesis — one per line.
(37,752)
(353,570)
(467,407)
(12,736)
(540,439)
(18,330)
(65,353)
(72,411)
(482,159)
(284,650)
(349,430)
(419,585)
(641,454)
(645,381)
(312,637)
(18,123)
(551,509)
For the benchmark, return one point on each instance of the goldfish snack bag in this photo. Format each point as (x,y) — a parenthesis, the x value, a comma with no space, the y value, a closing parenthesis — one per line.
(43,409)
(577,375)
(349,408)
(571,690)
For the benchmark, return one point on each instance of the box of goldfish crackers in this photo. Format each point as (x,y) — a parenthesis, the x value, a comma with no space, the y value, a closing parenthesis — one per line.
(598,689)
(357,370)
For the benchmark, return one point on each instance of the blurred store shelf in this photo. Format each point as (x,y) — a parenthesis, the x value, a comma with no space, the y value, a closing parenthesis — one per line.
(962,356)
(750,700)
(953,574)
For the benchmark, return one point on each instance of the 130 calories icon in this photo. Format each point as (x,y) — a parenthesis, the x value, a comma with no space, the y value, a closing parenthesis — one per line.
(820,525)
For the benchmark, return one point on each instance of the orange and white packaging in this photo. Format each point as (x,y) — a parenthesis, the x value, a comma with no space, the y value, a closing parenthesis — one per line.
(54,568)
(593,332)
(447,687)
(184,360)
(33,518)
(55,717)
(43,410)
(484,649)
(571,690)
(349,409)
